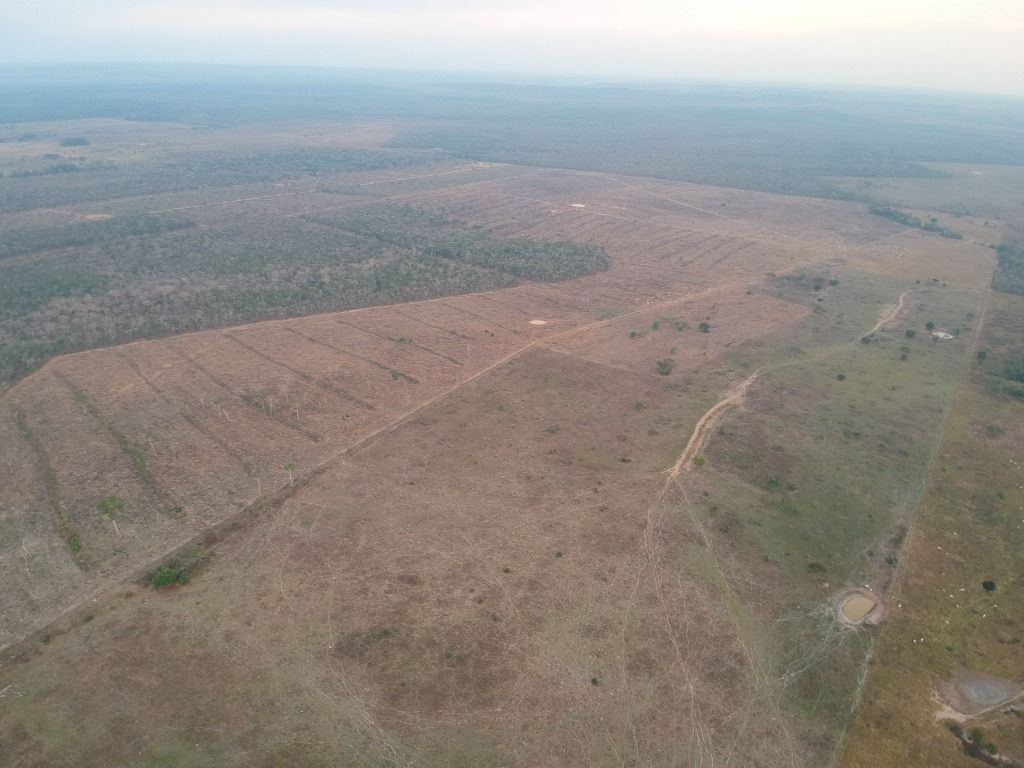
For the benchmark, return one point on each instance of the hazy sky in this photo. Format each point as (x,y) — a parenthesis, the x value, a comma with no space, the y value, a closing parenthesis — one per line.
(948,44)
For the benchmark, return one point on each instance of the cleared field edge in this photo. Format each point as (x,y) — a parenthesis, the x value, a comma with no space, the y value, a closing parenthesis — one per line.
(54,361)
(132,452)
(43,469)
(636,189)
(271,498)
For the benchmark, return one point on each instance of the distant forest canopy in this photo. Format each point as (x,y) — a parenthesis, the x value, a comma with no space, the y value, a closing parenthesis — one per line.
(779,139)
(198,170)
(151,248)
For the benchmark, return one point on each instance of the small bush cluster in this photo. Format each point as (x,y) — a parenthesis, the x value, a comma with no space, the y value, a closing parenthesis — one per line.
(178,570)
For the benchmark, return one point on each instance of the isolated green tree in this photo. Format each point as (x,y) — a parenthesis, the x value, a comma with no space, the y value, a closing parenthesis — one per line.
(109,505)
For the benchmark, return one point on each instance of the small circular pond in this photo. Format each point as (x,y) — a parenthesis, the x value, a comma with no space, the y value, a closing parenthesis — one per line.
(856,608)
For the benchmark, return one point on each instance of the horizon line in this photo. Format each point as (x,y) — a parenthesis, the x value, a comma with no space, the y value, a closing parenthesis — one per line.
(494,76)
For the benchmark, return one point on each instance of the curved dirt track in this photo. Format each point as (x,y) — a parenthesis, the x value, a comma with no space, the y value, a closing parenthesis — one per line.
(714,415)
(891,315)
(699,439)
(707,423)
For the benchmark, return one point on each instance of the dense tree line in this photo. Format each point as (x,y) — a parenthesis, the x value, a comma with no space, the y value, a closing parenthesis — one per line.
(528,259)
(49,170)
(437,236)
(1009,274)
(909,220)
(18,241)
(21,137)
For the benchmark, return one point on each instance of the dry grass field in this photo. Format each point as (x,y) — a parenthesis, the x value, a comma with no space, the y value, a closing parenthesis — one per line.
(458,531)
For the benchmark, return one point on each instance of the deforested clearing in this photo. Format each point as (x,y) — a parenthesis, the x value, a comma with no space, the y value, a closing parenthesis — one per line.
(543,482)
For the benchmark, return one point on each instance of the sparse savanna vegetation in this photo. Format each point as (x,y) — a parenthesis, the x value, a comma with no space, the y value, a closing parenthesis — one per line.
(967,535)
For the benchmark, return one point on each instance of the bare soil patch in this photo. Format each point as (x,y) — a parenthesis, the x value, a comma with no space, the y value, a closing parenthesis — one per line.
(972,694)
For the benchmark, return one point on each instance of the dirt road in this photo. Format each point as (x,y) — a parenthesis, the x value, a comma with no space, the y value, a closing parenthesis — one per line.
(890,315)
(706,425)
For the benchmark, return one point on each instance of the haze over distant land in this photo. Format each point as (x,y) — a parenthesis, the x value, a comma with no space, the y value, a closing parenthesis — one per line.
(939,44)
